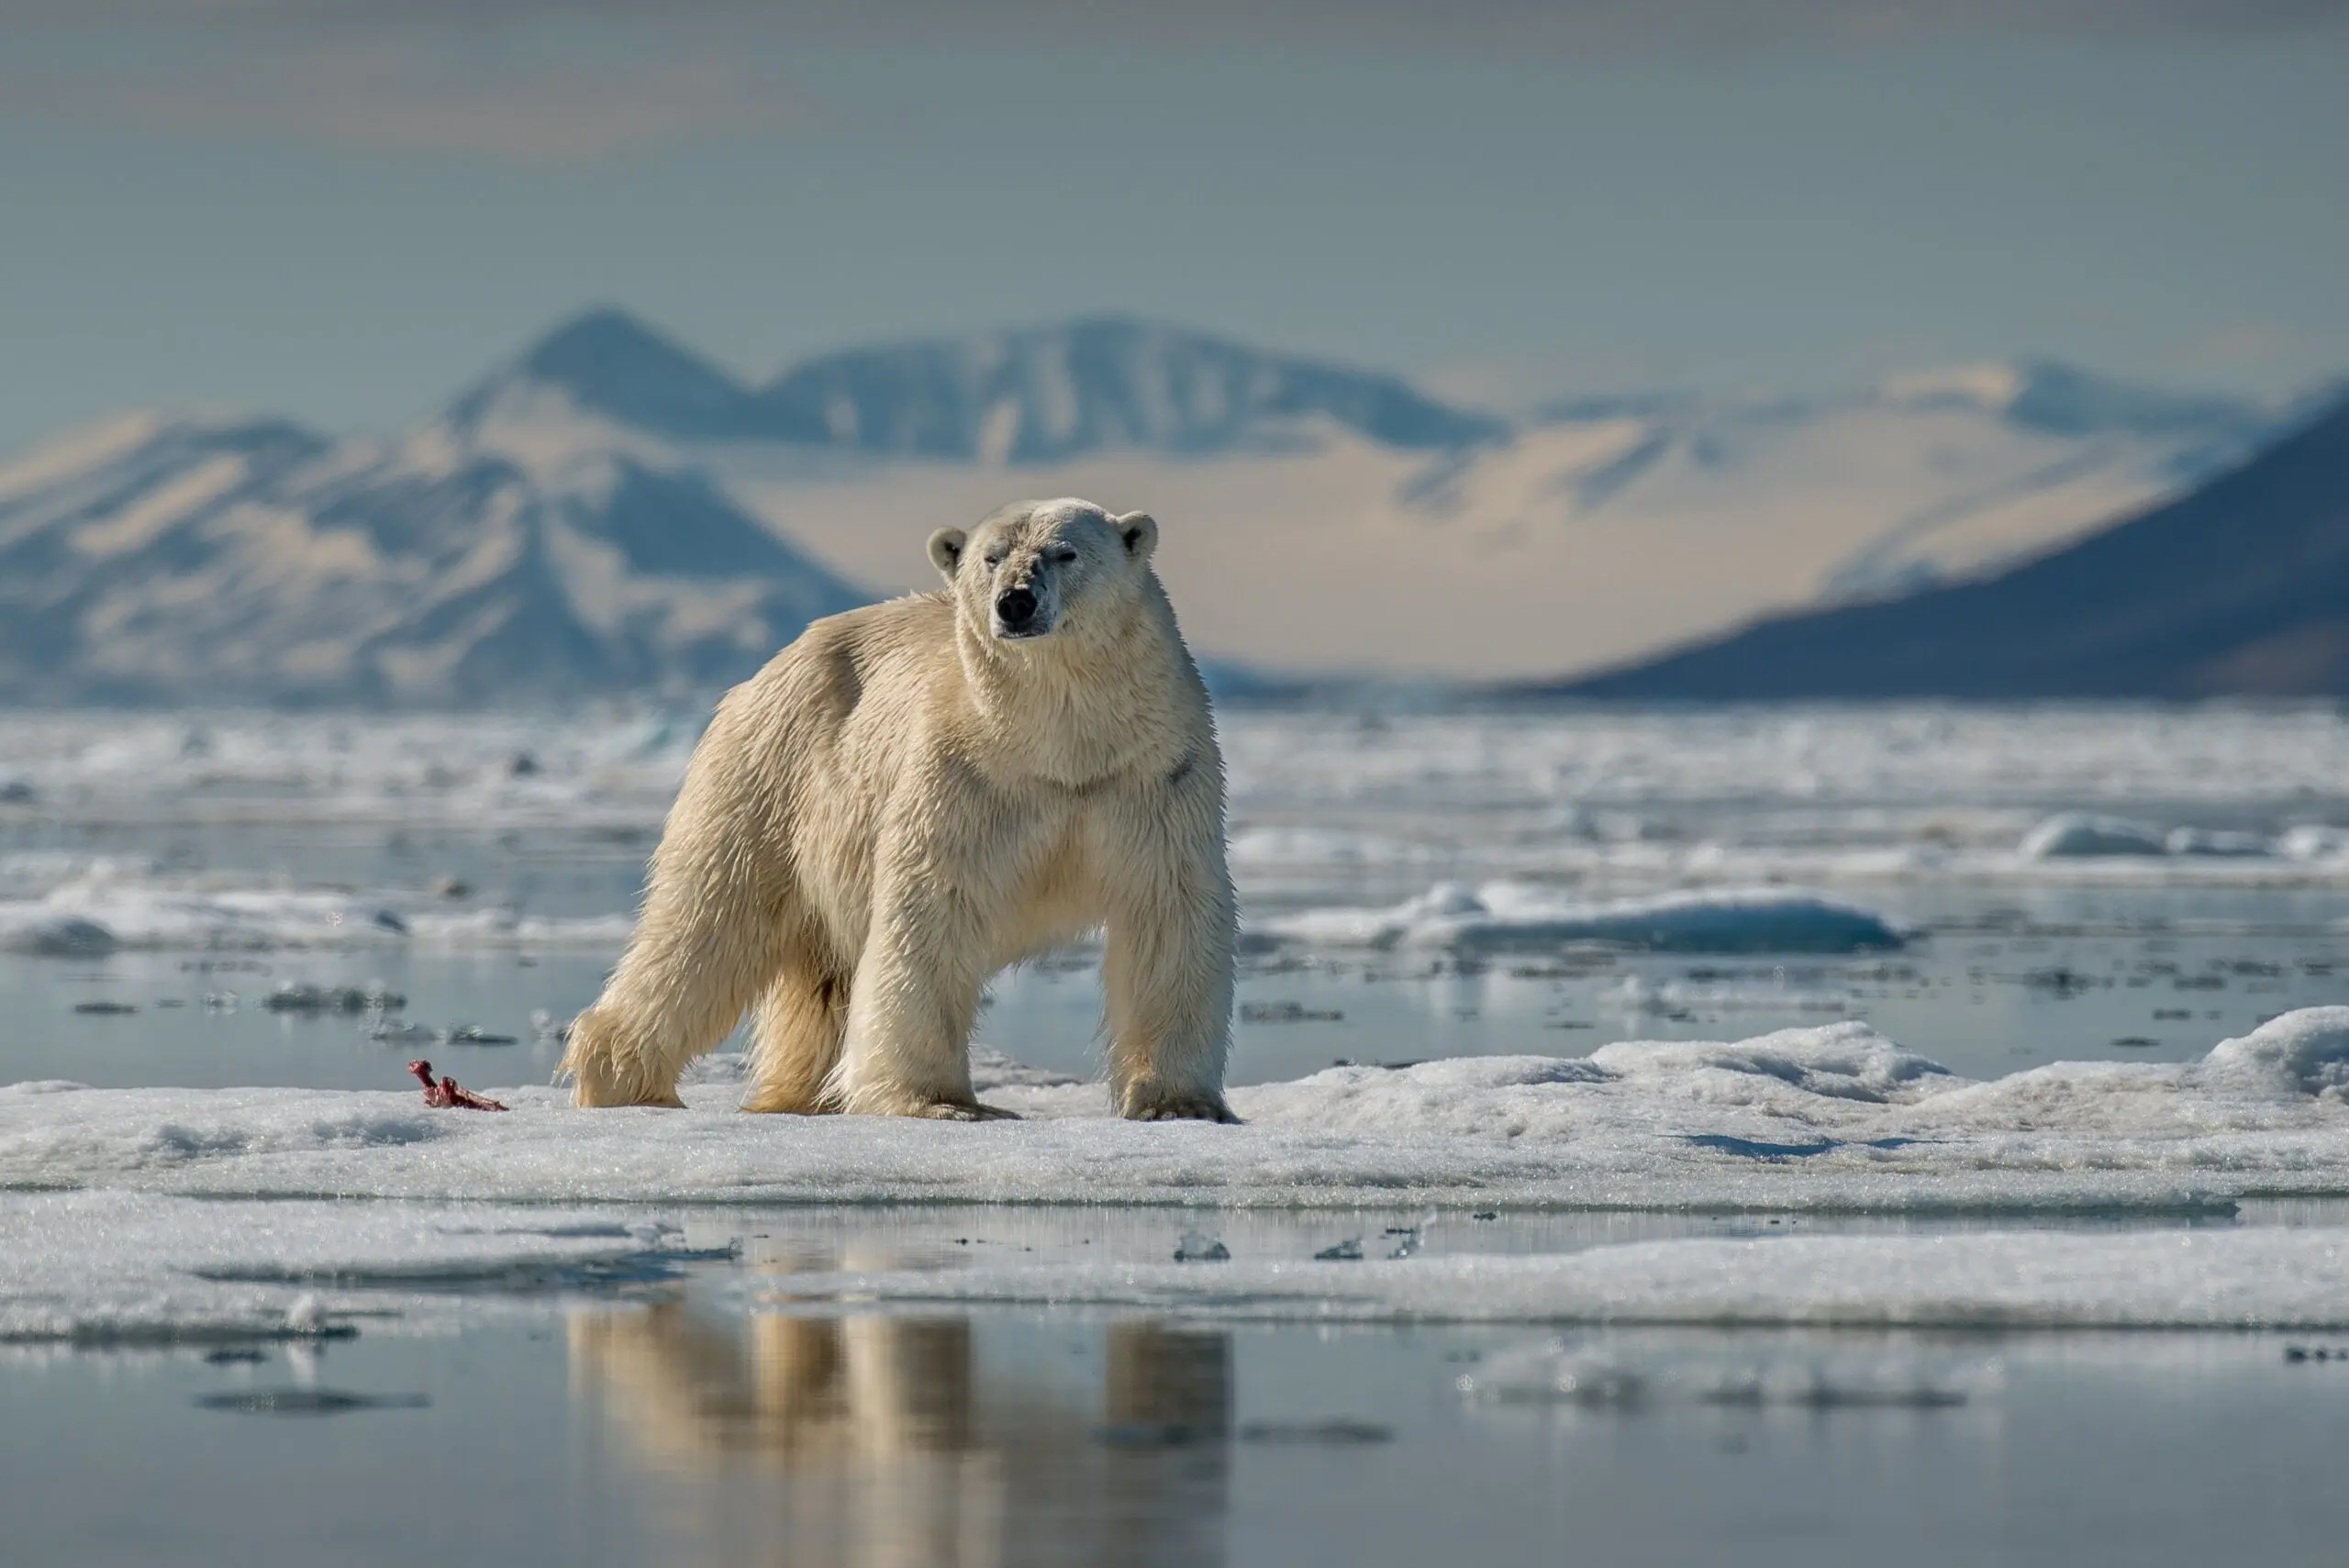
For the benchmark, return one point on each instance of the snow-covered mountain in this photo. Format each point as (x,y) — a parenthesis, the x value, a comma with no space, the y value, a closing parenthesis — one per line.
(1035,394)
(610,511)
(204,559)
(2241,587)
(1926,478)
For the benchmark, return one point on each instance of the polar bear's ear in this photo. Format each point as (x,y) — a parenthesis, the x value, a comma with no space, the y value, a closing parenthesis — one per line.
(946,549)
(1140,530)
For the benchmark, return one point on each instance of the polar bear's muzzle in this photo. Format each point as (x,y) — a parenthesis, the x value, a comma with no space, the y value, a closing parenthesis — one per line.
(1020,615)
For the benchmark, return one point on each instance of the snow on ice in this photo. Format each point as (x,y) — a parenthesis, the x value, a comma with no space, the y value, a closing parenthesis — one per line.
(117,1267)
(1834,1117)
(138,1213)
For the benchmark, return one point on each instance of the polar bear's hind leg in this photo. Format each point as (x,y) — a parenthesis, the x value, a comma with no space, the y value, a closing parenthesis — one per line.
(795,1041)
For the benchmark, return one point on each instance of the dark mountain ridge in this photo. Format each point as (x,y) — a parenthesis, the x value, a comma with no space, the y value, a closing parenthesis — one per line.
(2239,588)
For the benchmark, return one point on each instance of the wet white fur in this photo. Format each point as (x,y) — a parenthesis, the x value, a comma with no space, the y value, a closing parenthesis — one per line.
(902,802)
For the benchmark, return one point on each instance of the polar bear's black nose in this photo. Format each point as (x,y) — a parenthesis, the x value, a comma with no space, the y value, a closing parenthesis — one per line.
(1017,607)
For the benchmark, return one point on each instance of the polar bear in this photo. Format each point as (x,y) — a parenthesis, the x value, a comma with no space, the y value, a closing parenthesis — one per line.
(916,793)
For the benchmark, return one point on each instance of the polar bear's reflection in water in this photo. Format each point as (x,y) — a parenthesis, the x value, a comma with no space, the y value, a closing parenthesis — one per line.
(894,1442)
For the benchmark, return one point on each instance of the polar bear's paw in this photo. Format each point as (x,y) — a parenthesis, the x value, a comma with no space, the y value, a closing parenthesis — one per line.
(962,1111)
(1148,1103)
(927,1108)
(605,1069)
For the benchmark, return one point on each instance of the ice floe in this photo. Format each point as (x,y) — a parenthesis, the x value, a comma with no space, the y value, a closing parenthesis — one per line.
(97,914)
(2076,835)
(1504,915)
(119,1267)
(1830,1118)
(158,1216)
(2247,1278)
(2079,834)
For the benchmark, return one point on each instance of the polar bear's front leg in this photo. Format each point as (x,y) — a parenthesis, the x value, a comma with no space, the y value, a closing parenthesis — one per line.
(911,1005)
(1167,974)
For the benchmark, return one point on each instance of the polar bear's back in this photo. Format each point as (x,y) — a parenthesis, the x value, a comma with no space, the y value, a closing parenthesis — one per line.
(836,708)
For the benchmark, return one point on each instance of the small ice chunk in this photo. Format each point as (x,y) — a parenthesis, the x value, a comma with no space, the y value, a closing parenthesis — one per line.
(56,935)
(1198,1247)
(2303,1052)
(1506,916)
(1553,1375)
(2080,835)
(1338,1431)
(2313,841)
(2213,841)
(306,1401)
(293,998)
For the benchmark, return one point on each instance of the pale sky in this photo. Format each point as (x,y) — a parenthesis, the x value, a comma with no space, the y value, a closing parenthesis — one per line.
(341,211)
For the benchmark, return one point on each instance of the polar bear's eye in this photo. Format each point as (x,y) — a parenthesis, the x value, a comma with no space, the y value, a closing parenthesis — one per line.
(1063,555)
(994,558)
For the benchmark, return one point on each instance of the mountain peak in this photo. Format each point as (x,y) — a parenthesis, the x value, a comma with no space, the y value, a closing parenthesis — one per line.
(153,563)
(600,340)
(609,362)
(1047,393)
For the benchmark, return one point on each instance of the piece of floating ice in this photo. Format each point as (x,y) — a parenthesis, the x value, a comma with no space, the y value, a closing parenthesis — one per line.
(307,1402)
(2313,841)
(1504,915)
(2213,841)
(1198,1247)
(98,914)
(2078,834)
(2075,835)
(301,997)
(2265,1277)
(141,1267)
(1560,1373)
(33,930)
(1340,1431)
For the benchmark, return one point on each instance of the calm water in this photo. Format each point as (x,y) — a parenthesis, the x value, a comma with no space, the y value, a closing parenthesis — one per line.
(683,1431)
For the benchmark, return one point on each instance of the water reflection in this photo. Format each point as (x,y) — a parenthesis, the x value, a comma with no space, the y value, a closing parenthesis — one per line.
(894,1441)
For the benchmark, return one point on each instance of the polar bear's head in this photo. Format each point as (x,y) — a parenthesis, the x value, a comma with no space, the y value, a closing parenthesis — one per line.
(1039,567)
